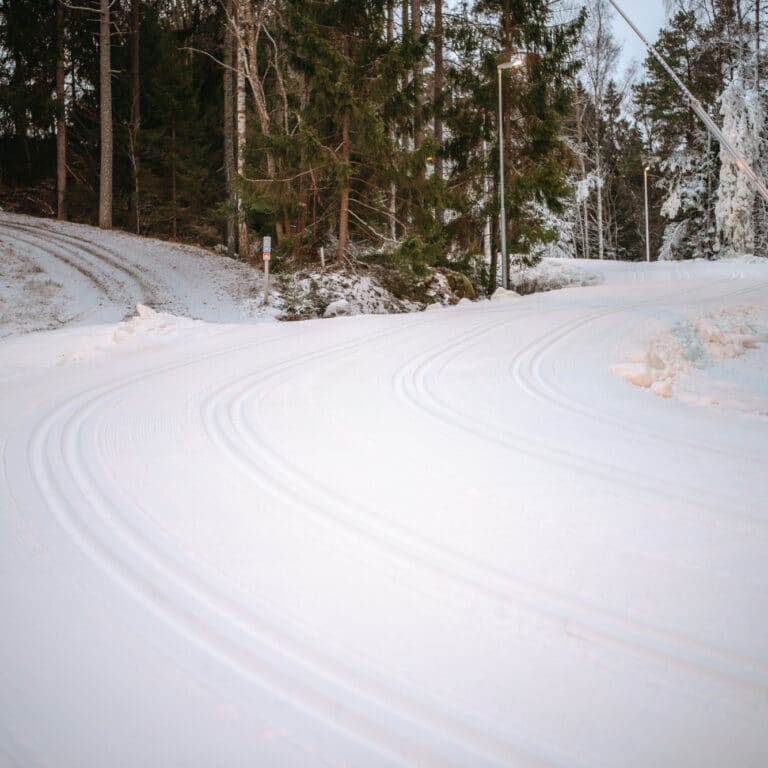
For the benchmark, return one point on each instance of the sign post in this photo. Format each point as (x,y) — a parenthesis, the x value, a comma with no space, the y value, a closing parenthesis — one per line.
(266,254)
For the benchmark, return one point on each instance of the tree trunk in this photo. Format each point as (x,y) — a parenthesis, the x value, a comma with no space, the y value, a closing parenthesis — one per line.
(344,202)
(135,120)
(105,83)
(242,244)
(488,227)
(439,84)
(757,46)
(579,113)
(229,126)
(61,119)
(250,68)
(418,118)
(392,212)
(599,174)
(174,203)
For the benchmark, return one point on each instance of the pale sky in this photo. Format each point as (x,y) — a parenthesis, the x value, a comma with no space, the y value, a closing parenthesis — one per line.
(648,16)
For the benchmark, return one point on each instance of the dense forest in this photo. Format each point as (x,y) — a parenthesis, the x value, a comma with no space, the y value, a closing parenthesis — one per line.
(370,129)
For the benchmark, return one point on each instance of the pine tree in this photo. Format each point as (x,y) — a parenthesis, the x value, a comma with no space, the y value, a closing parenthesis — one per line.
(28,54)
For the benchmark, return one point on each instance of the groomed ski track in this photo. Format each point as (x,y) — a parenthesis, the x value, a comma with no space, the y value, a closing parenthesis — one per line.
(453,538)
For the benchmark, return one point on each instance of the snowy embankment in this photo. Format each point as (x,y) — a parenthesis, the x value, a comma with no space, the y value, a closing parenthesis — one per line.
(453,538)
(54,274)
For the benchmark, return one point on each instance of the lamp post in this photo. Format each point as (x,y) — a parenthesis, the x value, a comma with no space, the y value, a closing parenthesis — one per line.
(647,236)
(517,61)
(741,163)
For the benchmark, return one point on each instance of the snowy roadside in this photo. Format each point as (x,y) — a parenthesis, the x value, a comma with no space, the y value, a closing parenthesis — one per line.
(54,273)
(719,359)
(450,538)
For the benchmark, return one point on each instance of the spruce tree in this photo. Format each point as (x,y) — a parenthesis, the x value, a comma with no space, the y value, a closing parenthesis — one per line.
(338,139)
(536,102)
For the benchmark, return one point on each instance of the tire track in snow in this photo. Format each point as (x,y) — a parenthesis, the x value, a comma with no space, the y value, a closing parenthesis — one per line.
(424,398)
(40,245)
(73,440)
(121,283)
(159,579)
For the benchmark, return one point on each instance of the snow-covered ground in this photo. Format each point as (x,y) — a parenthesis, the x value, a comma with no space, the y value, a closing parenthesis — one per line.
(523,532)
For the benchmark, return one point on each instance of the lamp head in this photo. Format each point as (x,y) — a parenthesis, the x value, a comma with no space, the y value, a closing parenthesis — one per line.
(516,61)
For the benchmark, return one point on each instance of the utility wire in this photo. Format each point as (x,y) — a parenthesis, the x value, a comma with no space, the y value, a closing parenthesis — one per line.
(741,162)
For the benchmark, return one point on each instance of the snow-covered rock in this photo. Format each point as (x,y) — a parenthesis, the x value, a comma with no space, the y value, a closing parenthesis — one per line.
(337,308)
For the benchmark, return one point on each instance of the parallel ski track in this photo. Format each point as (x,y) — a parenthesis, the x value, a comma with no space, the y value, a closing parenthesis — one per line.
(527,371)
(596,622)
(307,495)
(121,283)
(229,430)
(202,606)
(164,581)
(95,279)
(424,398)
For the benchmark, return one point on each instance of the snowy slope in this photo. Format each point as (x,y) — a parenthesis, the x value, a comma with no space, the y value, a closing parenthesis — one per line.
(76,275)
(453,538)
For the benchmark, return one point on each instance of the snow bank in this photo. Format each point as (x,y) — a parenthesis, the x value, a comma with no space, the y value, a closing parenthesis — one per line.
(502,294)
(76,344)
(687,361)
(551,274)
(149,324)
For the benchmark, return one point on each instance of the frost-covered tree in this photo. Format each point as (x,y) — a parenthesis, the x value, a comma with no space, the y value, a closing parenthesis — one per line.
(743,121)
(678,147)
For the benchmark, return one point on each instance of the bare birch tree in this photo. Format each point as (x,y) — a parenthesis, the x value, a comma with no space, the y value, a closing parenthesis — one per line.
(229,124)
(599,55)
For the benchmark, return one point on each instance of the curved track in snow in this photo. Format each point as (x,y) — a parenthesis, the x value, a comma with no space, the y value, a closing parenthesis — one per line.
(448,539)
(86,276)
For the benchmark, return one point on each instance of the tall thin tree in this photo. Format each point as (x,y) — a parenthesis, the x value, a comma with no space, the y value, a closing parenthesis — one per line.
(241,62)
(61,116)
(105,86)
(439,85)
(229,124)
(135,119)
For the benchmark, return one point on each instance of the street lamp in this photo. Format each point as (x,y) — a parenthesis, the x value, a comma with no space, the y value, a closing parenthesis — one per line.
(646,168)
(517,61)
